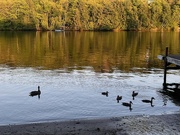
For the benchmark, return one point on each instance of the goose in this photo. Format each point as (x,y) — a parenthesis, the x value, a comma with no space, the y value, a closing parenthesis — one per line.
(35,93)
(148,101)
(127,104)
(105,93)
(134,94)
(118,98)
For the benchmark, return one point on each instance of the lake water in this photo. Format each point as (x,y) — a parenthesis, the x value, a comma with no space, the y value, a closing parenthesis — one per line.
(73,68)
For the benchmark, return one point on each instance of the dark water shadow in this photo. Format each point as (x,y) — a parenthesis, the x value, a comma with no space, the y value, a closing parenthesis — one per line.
(170,95)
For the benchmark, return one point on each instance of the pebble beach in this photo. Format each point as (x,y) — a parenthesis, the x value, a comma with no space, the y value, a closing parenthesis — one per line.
(167,124)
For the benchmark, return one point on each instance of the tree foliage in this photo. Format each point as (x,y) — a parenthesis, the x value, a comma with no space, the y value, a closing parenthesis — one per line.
(89,14)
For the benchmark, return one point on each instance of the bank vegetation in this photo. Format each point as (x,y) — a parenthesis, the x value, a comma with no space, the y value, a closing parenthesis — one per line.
(89,14)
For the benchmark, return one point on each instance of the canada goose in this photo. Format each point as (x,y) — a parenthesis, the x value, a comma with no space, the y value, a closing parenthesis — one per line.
(35,93)
(105,93)
(148,101)
(127,104)
(134,94)
(118,98)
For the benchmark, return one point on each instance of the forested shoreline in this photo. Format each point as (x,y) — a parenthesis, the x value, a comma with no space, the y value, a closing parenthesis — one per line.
(89,15)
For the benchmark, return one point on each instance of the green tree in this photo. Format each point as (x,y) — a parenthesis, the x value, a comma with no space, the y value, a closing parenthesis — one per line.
(89,14)
(156,10)
(175,16)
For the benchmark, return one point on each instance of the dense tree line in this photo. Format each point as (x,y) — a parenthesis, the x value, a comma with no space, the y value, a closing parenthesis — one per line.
(89,14)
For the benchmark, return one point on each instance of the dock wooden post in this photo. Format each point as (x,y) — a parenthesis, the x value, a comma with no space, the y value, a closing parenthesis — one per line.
(170,62)
(165,69)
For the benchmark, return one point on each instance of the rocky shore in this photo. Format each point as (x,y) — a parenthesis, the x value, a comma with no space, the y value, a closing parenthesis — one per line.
(168,124)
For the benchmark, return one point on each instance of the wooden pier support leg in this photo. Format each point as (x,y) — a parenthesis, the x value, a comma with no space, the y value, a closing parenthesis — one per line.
(165,69)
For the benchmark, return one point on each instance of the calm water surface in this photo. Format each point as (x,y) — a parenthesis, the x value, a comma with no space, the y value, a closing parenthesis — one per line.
(73,68)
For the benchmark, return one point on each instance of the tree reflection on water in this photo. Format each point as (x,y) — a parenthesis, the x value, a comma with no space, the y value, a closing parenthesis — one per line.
(104,51)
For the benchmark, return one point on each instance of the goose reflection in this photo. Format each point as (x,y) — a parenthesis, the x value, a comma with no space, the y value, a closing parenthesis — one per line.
(128,104)
(134,94)
(35,93)
(118,98)
(105,93)
(149,101)
(165,102)
(170,95)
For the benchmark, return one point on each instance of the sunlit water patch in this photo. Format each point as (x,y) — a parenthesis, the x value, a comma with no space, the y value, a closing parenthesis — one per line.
(76,94)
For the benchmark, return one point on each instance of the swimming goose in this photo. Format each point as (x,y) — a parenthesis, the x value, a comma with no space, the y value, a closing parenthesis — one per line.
(118,98)
(134,94)
(105,93)
(35,93)
(148,101)
(127,104)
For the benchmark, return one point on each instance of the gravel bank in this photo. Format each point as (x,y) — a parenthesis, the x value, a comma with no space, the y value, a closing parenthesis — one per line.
(130,125)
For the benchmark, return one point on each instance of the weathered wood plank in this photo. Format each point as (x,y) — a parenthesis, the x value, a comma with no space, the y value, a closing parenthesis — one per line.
(173,59)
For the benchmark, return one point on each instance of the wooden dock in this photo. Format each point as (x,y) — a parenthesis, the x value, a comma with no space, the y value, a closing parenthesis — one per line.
(171,62)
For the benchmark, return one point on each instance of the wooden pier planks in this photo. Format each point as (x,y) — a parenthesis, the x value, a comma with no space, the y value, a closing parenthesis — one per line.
(170,60)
